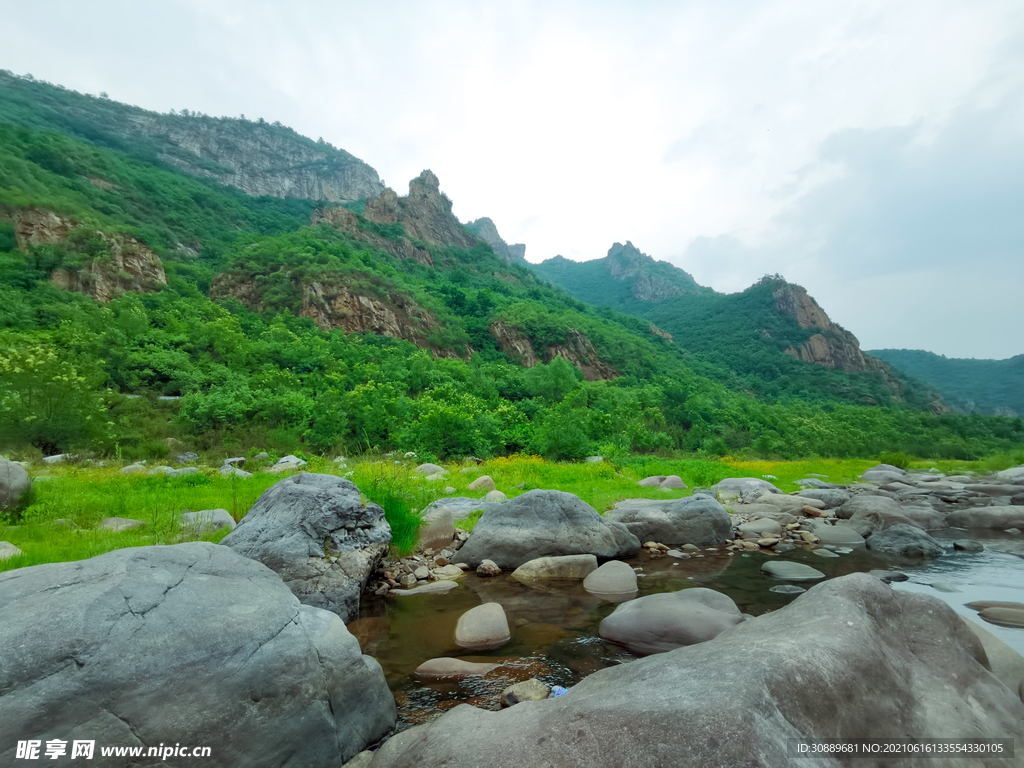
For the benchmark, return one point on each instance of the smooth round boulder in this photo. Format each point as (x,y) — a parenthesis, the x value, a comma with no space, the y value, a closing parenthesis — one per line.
(653,481)
(999,518)
(904,541)
(545,523)
(830,497)
(188,643)
(430,469)
(207,521)
(613,578)
(669,620)
(566,567)
(482,483)
(839,533)
(691,520)
(762,525)
(483,627)
(787,570)
(446,668)
(673,481)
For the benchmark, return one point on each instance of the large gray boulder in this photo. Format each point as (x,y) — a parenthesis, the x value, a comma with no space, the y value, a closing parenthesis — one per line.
(849,659)
(904,541)
(317,534)
(189,644)
(458,507)
(692,520)
(831,497)
(545,524)
(666,621)
(988,517)
(15,485)
(741,487)
(877,513)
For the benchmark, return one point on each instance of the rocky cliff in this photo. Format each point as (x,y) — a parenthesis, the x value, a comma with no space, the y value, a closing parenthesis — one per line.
(118,262)
(576,348)
(346,221)
(425,213)
(256,157)
(834,347)
(488,232)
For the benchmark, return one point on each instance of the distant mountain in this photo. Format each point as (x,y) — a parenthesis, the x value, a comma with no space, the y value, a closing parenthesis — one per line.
(969,386)
(759,339)
(254,156)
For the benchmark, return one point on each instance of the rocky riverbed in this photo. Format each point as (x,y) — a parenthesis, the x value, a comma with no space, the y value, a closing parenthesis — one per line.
(706,630)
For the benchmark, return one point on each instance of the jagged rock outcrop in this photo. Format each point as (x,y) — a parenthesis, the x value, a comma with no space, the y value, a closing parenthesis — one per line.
(576,349)
(836,347)
(345,220)
(626,262)
(255,157)
(333,304)
(656,331)
(425,213)
(124,264)
(488,232)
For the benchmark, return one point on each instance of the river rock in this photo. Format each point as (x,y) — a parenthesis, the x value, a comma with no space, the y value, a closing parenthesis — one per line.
(488,568)
(8,550)
(528,690)
(838,533)
(15,485)
(446,668)
(999,518)
(482,483)
(791,571)
(766,512)
(665,621)
(760,526)
(741,487)
(787,589)
(483,627)
(1005,617)
(545,524)
(430,588)
(189,643)
(458,507)
(495,496)
(831,498)
(566,567)
(1012,475)
(613,578)
(317,534)
(438,531)
(1007,664)
(794,505)
(447,573)
(968,545)
(207,521)
(822,667)
(904,541)
(692,520)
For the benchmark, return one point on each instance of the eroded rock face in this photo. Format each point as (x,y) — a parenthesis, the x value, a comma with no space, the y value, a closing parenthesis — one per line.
(576,348)
(691,520)
(870,660)
(345,220)
(189,643)
(488,232)
(317,534)
(545,524)
(127,266)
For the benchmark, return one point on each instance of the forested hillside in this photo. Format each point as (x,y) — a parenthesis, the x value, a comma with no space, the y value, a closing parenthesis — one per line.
(143,299)
(969,386)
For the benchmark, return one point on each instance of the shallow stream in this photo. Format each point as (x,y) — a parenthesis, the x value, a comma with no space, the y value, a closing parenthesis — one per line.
(554,624)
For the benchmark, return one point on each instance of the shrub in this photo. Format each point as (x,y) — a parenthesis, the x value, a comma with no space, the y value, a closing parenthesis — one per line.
(899,459)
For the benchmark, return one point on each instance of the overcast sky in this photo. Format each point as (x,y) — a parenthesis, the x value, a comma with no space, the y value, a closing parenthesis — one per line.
(870,151)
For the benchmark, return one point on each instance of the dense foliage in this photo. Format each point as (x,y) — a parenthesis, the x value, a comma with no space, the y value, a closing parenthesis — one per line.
(982,386)
(82,375)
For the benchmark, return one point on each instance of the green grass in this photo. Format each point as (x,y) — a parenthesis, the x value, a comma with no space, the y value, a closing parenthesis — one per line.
(86,496)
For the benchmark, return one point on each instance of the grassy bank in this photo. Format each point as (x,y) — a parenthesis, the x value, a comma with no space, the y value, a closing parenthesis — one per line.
(70,502)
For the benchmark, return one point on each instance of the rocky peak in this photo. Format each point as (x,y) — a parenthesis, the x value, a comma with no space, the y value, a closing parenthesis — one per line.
(488,232)
(125,265)
(425,214)
(794,301)
(627,262)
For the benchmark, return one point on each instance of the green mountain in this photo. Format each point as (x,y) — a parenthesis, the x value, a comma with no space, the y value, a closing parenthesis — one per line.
(969,386)
(147,294)
(771,340)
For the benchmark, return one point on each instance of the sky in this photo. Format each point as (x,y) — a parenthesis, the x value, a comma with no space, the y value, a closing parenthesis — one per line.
(871,151)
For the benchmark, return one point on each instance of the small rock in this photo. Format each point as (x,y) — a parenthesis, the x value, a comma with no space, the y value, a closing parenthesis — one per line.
(495,496)
(446,668)
(791,571)
(262,456)
(133,469)
(690,548)
(186,458)
(119,524)
(488,568)
(787,589)
(528,690)
(447,573)
(408,580)
(945,586)
(8,550)
(482,483)
(483,627)
(968,545)
(422,572)
(824,553)
(232,462)
(430,469)
(207,521)
(564,567)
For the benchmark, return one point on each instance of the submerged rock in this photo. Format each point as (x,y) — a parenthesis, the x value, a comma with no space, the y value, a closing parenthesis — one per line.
(613,578)
(483,627)
(904,541)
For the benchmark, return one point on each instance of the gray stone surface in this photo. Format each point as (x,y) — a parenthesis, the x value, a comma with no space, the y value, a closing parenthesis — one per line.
(566,567)
(189,643)
(528,690)
(832,497)
(839,533)
(447,668)
(544,524)
(119,524)
(737,486)
(691,520)
(133,469)
(207,521)
(459,507)
(1011,475)
(904,541)
(430,469)
(482,627)
(430,588)
(789,570)
(666,621)
(762,525)
(850,657)
(482,483)
(613,578)
(317,534)
(15,485)
(8,550)
(999,518)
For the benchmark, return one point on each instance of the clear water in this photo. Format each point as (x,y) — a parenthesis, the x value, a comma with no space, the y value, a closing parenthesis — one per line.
(554,624)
